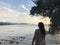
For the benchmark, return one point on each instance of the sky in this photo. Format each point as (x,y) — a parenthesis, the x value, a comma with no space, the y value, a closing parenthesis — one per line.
(18,11)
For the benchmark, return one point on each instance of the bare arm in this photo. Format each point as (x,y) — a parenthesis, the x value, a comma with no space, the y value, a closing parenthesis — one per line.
(34,38)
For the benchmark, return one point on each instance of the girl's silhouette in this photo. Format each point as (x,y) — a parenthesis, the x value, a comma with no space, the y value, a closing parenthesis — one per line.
(39,36)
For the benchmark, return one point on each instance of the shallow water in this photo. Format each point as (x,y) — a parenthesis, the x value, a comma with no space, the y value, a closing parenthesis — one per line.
(16,30)
(23,34)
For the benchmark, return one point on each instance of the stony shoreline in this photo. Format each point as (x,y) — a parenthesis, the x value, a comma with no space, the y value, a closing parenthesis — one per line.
(26,40)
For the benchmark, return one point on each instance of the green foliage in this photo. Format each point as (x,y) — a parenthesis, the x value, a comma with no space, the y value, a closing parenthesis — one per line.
(50,8)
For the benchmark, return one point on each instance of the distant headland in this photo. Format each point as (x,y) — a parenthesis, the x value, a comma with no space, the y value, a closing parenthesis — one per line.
(10,23)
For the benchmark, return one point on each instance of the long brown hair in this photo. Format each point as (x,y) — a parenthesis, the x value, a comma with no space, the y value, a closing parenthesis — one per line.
(42,28)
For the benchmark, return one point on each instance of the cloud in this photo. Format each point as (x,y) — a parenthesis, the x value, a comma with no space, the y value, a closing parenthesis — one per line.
(24,7)
(7,14)
(11,15)
(20,7)
(3,4)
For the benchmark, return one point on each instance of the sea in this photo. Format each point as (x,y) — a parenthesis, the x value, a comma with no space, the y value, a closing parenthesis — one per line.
(23,35)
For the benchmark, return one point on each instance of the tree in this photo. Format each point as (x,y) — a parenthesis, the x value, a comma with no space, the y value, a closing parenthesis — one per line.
(50,8)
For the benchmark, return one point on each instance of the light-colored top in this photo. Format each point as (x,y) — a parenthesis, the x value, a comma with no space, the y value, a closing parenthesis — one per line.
(39,39)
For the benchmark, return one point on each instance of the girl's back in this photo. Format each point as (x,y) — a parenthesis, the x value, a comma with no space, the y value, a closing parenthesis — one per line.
(39,39)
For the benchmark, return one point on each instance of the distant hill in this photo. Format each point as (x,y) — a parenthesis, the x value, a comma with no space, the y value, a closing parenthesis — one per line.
(10,23)
(6,23)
